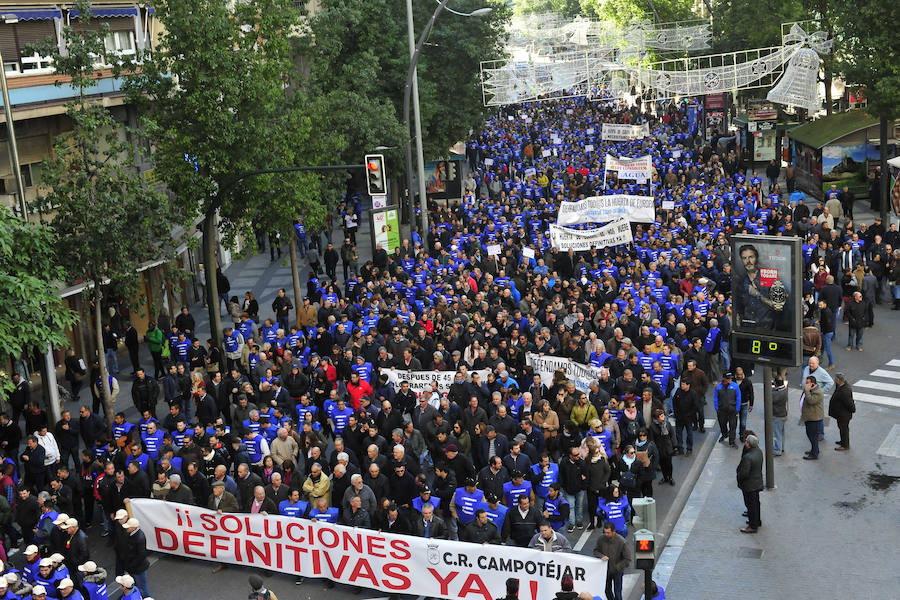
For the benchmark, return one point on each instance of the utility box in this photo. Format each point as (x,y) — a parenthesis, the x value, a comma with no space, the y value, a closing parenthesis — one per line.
(644,513)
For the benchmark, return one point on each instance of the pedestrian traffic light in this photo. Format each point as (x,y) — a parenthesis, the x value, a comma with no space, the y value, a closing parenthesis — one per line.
(376,180)
(644,549)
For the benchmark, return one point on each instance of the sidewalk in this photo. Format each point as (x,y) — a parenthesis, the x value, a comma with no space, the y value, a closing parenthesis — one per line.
(818,511)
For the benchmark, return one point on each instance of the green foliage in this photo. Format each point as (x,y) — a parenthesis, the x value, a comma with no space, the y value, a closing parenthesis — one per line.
(624,12)
(107,221)
(358,54)
(566,8)
(216,89)
(33,314)
(868,47)
(741,25)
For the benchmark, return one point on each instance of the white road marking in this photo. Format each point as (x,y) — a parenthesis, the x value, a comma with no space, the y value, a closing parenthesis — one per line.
(877,385)
(885,373)
(893,363)
(891,444)
(582,540)
(875,399)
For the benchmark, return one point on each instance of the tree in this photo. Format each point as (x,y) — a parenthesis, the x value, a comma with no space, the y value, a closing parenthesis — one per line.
(625,12)
(745,25)
(107,220)
(867,59)
(33,315)
(219,105)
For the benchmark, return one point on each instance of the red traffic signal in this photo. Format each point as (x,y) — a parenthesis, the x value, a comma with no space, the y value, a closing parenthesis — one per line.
(376,181)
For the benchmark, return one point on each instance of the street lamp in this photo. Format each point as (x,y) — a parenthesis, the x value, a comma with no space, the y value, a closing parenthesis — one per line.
(412,89)
(10,128)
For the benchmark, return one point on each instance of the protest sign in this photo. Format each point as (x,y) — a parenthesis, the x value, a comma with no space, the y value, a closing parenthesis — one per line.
(546,366)
(630,168)
(493,249)
(614,234)
(389,563)
(602,209)
(420,381)
(616,132)
(528,252)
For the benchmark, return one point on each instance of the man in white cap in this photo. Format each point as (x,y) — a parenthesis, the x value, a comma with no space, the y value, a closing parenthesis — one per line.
(67,590)
(32,562)
(131,551)
(45,576)
(77,550)
(93,580)
(5,594)
(39,592)
(129,591)
(60,570)
(17,587)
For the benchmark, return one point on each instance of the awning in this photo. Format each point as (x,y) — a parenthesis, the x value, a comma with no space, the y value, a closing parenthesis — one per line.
(114,11)
(31,14)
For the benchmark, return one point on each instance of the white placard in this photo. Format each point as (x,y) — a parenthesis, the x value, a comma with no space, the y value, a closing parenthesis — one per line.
(569,111)
(614,234)
(530,172)
(668,205)
(603,209)
(493,250)
(545,153)
(589,148)
(676,153)
(590,131)
(488,162)
(511,118)
(617,132)
(528,252)
(631,168)
(385,563)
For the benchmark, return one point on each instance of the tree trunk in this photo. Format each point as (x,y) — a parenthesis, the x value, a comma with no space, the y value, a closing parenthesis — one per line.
(826,81)
(295,277)
(212,284)
(101,355)
(885,179)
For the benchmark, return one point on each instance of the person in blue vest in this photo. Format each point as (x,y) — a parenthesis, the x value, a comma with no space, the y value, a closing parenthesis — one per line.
(656,592)
(46,577)
(425,497)
(616,509)
(126,585)
(517,486)
(257,447)
(293,506)
(5,592)
(556,507)
(94,581)
(339,417)
(122,428)
(496,514)
(727,402)
(66,590)
(138,456)
(39,592)
(544,473)
(324,513)
(32,562)
(465,501)
(152,440)
(713,345)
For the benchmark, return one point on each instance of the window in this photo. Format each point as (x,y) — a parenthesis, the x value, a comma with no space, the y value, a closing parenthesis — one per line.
(36,62)
(27,180)
(11,68)
(119,42)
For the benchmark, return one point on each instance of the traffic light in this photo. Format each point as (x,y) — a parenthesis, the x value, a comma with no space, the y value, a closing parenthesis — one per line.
(644,550)
(376,180)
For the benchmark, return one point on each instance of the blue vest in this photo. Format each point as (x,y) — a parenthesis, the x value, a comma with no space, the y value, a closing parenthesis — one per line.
(254,448)
(341,418)
(466,503)
(251,425)
(298,510)
(302,410)
(329,516)
(551,476)
(605,438)
(231,342)
(142,460)
(511,491)
(552,507)
(496,516)
(96,591)
(123,429)
(152,443)
(418,503)
(710,341)
(178,436)
(616,511)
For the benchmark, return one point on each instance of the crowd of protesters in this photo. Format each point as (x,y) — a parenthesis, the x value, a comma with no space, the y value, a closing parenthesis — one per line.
(296,416)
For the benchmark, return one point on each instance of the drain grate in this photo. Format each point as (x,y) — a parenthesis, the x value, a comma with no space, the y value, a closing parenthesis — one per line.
(747,552)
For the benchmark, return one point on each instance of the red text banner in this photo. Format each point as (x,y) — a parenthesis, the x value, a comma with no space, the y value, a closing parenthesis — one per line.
(394,564)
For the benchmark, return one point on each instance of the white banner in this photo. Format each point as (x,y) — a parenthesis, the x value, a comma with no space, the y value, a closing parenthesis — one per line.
(546,366)
(614,234)
(420,381)
(631,168)
(616,132)
(603,209)
(390,563)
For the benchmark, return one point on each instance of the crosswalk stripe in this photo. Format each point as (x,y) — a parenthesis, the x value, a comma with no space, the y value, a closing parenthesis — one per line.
(875,399)
(877,385)
(891,444)
(893,363)
(885,373)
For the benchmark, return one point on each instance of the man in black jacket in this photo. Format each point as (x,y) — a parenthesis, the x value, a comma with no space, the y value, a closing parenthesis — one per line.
(145,392)
(430,526)
(523,521)
(131,550)
(750,481)
(481,530)
(282,307)
(572,479)
(686,404)
(91,426)
(841,409)
(77,551)
(33,459)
